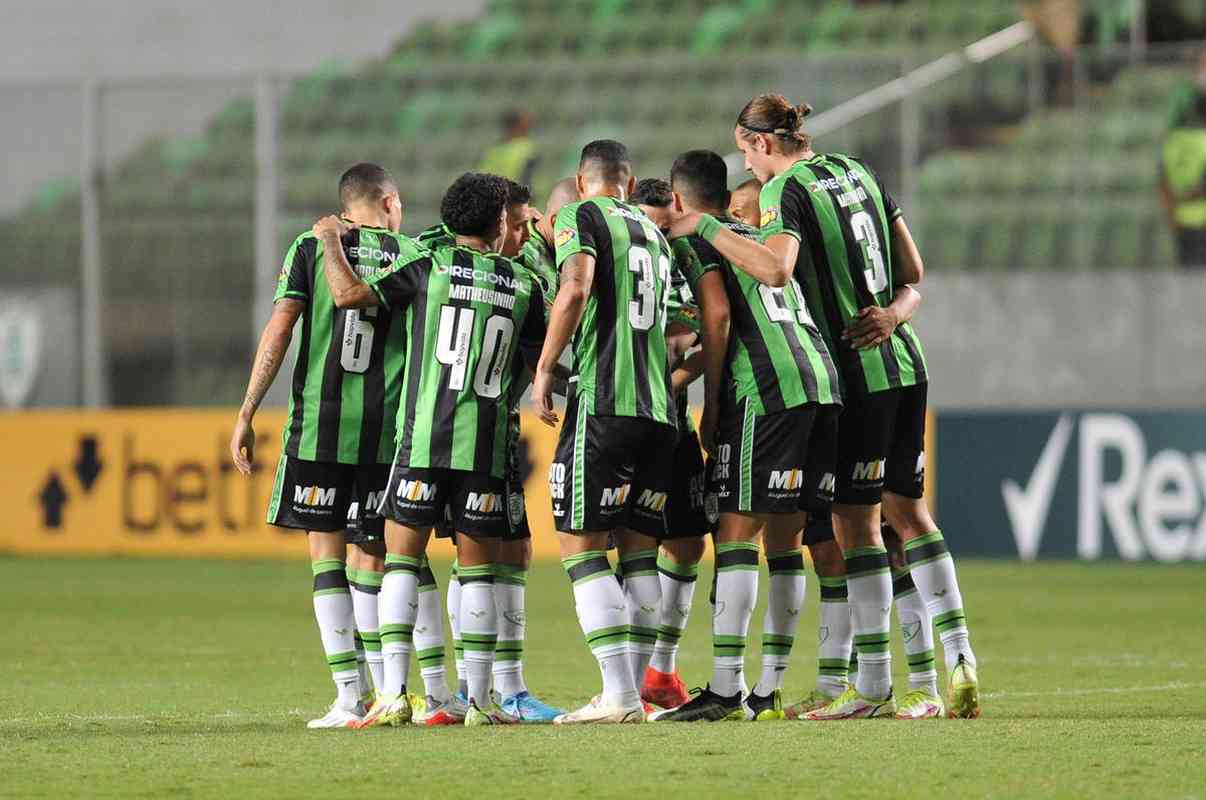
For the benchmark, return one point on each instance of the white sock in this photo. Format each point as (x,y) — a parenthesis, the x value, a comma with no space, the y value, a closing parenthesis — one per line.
(869,584)
(336,624)
(678,590)
(784,602)
(454,624)
(835,637)
(933,571)
(510,587)
(366,587)
(736,594)
(399,606)
(915,629)
(479,629)
(643,596)
(429,637)
(603,617)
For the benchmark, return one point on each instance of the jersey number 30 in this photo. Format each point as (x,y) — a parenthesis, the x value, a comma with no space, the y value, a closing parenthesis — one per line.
(641,309)
(454,342)
(864,232)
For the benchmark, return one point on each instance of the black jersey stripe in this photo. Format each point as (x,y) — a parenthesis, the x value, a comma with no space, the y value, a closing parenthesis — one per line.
(591,215)
(306,249)
(640,339)
(373,388)
(416,342)
(745,324)
(444,415)
(485,444)
(332,371)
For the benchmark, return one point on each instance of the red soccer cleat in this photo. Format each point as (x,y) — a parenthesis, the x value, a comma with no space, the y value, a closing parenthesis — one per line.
(663,689)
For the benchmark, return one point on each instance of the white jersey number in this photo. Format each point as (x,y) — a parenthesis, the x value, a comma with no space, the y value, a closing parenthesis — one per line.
(357,348)
(864,232)
(642,311)
(454,341)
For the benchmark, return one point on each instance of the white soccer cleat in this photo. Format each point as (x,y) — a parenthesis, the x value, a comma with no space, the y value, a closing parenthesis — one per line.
(336,717)
(599,713)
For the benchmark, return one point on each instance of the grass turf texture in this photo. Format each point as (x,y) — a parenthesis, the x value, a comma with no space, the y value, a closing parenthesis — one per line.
(151,678)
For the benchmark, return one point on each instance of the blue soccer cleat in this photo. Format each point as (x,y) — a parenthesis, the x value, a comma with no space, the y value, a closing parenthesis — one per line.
(528,708)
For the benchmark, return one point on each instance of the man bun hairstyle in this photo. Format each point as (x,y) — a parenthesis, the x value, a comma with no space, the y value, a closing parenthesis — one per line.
(774,114)
(606,158)
(652,192)
(702,177)
(364,182)
(474,203)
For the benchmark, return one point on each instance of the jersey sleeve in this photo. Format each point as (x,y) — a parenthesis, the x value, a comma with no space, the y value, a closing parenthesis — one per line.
(573,232)
(294,280)
(891,211)
(398,285)
(532,330)
(694,258)
(782,209)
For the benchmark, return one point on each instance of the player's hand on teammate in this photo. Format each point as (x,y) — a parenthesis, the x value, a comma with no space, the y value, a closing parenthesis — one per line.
(330,223)
(542,396)
(242,445)
(684,224)
(871,328)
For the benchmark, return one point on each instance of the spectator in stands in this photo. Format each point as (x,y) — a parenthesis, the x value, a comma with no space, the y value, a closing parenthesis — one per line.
(1183,172)
(515,156)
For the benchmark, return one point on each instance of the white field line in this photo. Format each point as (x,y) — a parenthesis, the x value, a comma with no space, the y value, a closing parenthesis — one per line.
(298,713)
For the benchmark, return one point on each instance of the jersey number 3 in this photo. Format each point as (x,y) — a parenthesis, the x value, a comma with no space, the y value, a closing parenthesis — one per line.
(453,344)
(864,232)
(641,310)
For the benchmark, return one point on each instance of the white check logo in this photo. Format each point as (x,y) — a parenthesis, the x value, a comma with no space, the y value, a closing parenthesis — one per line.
(1027,508)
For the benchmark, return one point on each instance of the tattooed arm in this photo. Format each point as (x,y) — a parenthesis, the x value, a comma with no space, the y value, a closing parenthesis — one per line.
(274,343)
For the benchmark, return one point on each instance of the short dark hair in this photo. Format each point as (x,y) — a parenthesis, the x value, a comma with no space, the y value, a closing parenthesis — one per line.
(702,177)
(517,193)
(652,192)
(364,181)
(607,157)
(474,203)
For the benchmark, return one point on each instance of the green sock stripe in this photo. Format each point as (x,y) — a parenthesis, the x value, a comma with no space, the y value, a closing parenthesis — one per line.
(370,577)
(342,661)
(902,584)
(638,555)
(736,556)
(430,656)
(391,634)
(394,563)
(637,567)
(587,566)
(833,583)
(683,573)
(864,561)
(922,541)
(482,573)
(787,563)
(352,574)
(459,648)
(642,635)
(921,662)
(950,619)
(372,645)
(357,641)
(872,642)
(326,592)
(603,637)
(833,666)
(926,549)
(455,569)
(510,574)
(669,634)
(508,650)
(478,642)
(327,565)
(726,547)
(777,645)
(728,646)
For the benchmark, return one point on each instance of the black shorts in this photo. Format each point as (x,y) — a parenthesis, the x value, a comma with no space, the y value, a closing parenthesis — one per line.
(759,467)
(611,472)
(881,445)
(472,503)
(357,532)
(685,508)
(517,506)
(816,497)
(319,495)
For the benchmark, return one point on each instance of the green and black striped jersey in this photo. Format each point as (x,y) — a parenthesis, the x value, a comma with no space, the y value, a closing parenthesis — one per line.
(682,310)
(467,314)
(777,358)
(620,346)
(346,380)
(842,215)
(437,235)
(540,258)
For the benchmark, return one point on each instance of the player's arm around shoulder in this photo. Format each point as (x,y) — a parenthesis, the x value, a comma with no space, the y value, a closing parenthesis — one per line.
(347,289)
(269,355)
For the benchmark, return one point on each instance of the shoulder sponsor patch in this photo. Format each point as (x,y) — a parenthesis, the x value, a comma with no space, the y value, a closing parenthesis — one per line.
(769,216)
(564,235)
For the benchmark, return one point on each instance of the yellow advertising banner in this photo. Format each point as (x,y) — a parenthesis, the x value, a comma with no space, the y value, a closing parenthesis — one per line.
(161,482)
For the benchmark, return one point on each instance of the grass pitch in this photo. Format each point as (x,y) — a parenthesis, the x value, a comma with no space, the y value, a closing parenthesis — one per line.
(142,678)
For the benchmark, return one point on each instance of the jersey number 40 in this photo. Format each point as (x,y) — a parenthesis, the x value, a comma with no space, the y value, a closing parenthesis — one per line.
(453,344)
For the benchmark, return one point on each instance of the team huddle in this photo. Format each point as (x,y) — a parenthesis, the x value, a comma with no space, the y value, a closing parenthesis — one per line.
(790,297)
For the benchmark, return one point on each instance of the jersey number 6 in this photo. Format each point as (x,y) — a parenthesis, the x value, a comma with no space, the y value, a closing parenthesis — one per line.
(641,311)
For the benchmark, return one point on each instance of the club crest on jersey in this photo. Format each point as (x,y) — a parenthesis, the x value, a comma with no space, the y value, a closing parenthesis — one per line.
(564,235)
(769,216)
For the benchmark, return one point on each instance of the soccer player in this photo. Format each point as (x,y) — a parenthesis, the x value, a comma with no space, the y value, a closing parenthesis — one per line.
(340,427)
(687,520)
(743,203)
(610,474)
(828,218)
(777,374)
(515,552)
(467,312)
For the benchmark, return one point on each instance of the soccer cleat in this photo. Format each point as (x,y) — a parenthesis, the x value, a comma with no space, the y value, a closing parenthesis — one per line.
(706,706)
(814,700)
(757,708)
(599,713)
(852,705)
(335,717)
(418,705)
(920,704)
(450,712)
(963,692)
(664,689)
(393,711)
(526,708)
(491,715)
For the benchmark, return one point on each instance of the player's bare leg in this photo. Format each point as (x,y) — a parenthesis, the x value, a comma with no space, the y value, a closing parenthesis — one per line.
(336,623)
(678,570)
(933,571)
(603,616)
(869,586)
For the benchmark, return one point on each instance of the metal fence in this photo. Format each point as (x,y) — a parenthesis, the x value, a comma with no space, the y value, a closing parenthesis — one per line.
(165,206)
